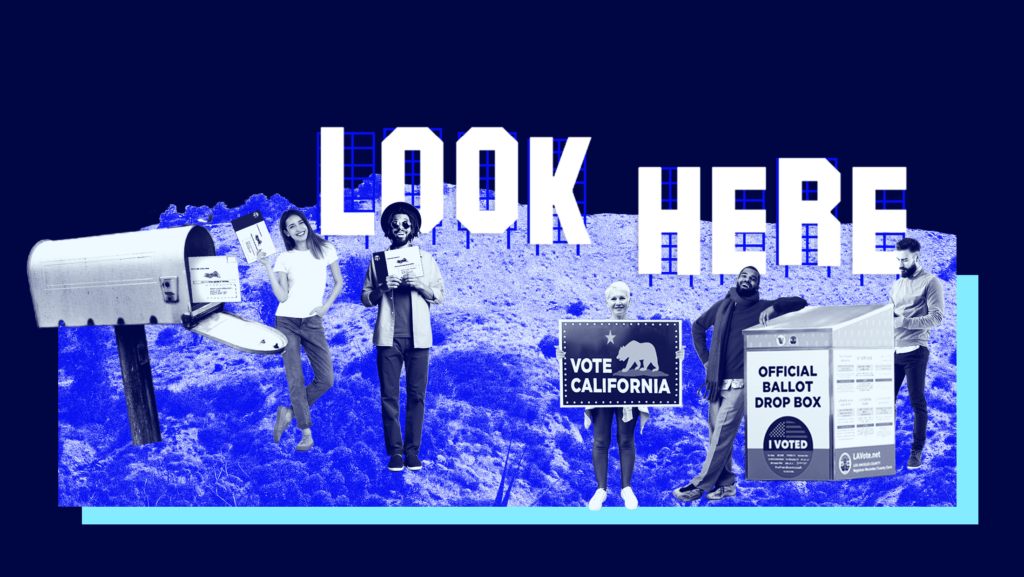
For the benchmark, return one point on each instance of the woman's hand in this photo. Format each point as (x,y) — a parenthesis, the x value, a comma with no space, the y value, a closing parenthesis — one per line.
(263,259)
(320,311)
(560,355)
(680,354)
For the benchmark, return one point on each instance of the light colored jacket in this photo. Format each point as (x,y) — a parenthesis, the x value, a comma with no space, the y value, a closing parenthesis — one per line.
(918,300)
(384,331)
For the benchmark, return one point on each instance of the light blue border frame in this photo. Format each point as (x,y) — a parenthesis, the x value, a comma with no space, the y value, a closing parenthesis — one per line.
(965,512)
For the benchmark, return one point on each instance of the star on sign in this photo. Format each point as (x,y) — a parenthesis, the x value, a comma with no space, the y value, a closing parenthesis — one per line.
(610,337)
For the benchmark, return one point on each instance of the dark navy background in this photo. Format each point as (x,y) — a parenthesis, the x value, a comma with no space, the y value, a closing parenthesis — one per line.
(116,115)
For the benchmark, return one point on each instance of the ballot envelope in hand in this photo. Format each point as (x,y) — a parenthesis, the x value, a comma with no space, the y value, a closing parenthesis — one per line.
(404,262)
(253,235)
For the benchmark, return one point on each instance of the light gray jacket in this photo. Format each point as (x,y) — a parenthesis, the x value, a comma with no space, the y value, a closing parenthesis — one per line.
(384,331)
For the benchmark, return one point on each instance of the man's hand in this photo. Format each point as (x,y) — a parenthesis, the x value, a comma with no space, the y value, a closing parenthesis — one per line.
(390,283)
(680,354)
(414,282)
(320,311)
(559,355)
(897,322)
(766,316)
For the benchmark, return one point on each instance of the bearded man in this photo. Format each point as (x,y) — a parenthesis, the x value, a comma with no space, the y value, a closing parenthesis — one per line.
(918,306)
(741,308)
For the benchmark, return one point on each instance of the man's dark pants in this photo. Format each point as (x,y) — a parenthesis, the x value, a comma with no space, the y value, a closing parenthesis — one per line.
(389,370)
(912,365)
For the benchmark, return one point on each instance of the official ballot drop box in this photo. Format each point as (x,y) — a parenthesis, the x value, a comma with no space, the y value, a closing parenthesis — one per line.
(130,280)
(820,403)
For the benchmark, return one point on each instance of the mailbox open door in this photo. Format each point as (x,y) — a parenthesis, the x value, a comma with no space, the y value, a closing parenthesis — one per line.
(130,280)
(238,333)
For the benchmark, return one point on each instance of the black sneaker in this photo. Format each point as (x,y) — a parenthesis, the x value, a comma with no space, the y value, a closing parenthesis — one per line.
(396,464)
(687,493)
(412,462)
(914,462)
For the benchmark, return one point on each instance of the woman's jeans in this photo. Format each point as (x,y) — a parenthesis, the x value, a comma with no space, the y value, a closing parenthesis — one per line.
(309,333)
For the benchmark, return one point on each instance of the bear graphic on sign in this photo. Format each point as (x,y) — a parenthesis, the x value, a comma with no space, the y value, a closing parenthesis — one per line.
(638,355)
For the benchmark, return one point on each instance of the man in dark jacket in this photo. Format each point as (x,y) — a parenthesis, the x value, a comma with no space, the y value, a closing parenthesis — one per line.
(741,309)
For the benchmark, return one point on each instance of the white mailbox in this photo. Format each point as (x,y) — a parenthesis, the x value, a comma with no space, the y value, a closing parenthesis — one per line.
(130,280)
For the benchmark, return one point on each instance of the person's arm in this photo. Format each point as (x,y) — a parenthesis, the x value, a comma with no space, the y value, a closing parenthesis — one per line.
(336,273)
(786,305)
(279,281)
(779,307)
(374,291)
(699,330)
(430,285)
(936,309)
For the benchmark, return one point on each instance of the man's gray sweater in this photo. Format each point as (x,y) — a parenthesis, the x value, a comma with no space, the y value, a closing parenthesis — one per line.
(918,299)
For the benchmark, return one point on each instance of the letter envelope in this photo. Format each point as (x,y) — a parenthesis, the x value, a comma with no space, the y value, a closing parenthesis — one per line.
(404,262)
(214,279)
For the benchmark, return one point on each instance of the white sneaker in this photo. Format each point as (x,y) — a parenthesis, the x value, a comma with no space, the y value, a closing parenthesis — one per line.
(598,499)
(629,498)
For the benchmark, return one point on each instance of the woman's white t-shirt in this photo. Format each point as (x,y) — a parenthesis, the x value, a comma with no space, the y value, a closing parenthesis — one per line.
(307,280)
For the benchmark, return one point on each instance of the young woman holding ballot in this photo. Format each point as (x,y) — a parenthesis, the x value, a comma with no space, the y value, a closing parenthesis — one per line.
(617,297)
(402,333)
(298,279)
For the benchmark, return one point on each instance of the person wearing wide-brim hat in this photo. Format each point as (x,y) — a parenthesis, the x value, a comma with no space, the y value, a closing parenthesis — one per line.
(403,335)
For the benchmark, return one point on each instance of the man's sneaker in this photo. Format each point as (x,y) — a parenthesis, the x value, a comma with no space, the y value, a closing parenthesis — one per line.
(598,499)
(412,462)
(914,461)
(722,492)
(687,493)
(629,498)
(396,464)
(281,422)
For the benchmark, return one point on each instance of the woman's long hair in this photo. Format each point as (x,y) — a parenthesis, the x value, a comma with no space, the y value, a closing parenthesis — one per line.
(313,240)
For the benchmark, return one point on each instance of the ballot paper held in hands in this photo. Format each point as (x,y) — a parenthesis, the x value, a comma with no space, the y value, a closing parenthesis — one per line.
(253,235)
(404,262)
(214,279)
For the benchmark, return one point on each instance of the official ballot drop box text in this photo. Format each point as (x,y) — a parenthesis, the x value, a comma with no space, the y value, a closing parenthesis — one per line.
(820,403)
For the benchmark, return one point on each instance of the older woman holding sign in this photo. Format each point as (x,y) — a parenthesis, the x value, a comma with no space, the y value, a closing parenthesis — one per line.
(617,298)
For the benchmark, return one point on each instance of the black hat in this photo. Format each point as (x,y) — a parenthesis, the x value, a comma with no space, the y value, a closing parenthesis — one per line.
(403,208)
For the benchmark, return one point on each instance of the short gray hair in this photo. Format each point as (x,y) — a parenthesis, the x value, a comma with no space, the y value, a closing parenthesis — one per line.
(617,286)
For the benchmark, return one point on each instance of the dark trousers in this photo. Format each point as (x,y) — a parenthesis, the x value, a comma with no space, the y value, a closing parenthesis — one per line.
(309,334)
(389,370)
(603,418)
(912,366)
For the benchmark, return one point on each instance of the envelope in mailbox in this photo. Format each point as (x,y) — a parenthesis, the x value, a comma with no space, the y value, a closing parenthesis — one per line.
(214,279)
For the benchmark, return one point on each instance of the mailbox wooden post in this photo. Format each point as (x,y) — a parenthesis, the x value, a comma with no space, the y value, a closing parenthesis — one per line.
(133,352)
